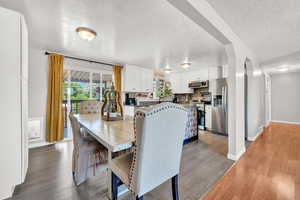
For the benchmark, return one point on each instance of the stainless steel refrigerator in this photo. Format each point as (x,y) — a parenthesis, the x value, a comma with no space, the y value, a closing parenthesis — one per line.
(219,106)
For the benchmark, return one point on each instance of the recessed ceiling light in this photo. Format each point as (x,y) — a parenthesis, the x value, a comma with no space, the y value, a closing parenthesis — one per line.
(185,65)
(168,69)
(86,33)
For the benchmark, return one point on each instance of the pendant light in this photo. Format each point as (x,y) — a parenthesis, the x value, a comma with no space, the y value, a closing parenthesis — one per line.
(185,65)
(168,69)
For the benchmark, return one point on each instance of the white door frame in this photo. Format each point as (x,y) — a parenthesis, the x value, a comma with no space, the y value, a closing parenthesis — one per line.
(82,69)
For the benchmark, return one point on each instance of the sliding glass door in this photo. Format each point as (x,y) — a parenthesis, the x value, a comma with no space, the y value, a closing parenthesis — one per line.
(81,86)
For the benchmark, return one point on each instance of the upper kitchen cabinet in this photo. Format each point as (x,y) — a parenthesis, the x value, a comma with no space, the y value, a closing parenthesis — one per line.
(147,80)
(180,83)
(225,71)
(218,72)
(137,79)
(199,75)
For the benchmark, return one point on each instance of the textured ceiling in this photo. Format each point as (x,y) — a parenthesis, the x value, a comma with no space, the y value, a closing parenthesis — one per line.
(140,32)
(270,28)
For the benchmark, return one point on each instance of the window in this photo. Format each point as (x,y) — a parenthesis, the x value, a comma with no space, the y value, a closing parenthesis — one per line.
(81,86)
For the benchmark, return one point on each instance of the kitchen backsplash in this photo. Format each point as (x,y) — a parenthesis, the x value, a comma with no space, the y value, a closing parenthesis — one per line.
(189,97)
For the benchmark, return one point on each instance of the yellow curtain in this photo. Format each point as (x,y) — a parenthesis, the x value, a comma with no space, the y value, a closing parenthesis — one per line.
(117,82)
(55,114)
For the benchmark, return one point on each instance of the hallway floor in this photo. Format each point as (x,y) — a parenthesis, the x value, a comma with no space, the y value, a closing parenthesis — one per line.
(270,169)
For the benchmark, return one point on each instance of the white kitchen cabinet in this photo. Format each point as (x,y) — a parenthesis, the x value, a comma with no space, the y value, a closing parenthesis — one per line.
(175,83)
(225,71)
(180,83)
(14,101)
(137,79)
(147,80)
(208,117)
(213,73)
(185,80)
(199,75)
(131,81)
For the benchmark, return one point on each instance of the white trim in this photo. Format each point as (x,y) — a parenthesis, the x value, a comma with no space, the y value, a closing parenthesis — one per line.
(260,131)
(285,122)
(7,192)
(237,156)
(44,143)
(268,123)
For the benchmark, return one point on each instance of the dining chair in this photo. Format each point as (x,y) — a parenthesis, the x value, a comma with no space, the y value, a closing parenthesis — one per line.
(90,107)
(159,134)
(89,157)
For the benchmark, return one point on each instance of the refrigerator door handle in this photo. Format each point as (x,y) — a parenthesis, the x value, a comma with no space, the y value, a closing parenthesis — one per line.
(223,97)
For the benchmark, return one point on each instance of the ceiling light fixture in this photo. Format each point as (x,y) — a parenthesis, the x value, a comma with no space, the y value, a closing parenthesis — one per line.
(185,65)
(86,33)
(168,69)
(283,69)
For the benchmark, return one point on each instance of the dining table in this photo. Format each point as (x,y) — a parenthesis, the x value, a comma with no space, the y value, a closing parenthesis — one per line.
(116,136)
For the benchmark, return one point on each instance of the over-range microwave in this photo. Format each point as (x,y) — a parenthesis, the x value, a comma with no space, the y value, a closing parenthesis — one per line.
(198,84)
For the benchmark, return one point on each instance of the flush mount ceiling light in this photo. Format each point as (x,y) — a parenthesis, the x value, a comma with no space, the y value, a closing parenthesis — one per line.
(168,69)
(86,33)
(185,65)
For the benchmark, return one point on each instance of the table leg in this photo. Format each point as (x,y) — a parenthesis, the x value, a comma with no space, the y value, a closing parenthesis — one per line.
(109,193)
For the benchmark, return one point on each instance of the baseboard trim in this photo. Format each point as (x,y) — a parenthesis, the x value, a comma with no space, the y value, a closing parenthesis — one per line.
(7,192)
(44,143)
(261,130)
(237,156)
(286,122)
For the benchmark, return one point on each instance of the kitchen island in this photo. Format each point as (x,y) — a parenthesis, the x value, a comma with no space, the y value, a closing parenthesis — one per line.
(191,131)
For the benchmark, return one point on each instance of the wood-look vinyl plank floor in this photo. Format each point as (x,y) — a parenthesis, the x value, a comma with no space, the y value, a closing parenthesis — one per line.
(270,169)
(49,175)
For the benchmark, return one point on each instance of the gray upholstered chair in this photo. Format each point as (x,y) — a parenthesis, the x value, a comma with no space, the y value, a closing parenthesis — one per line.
(156,156)
(89,157)
(90,107)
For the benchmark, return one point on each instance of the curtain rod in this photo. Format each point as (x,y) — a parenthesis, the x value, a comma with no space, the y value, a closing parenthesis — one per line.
(81,59)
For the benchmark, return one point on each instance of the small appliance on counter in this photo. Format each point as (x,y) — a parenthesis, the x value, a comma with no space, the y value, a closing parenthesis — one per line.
(130,99)
(175,100)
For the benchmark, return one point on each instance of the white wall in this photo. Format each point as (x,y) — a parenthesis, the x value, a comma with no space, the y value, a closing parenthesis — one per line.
(256,104)
(38,78)
(285,97)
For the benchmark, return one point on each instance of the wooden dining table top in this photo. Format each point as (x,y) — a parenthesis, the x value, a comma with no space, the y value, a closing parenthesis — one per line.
(114,135)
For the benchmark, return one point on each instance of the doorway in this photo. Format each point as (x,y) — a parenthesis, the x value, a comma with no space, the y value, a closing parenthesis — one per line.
(248,76)
(82,85)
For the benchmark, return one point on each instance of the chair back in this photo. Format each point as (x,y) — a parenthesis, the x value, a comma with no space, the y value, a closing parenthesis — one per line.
(159,140)
(77,139)
(90,107)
